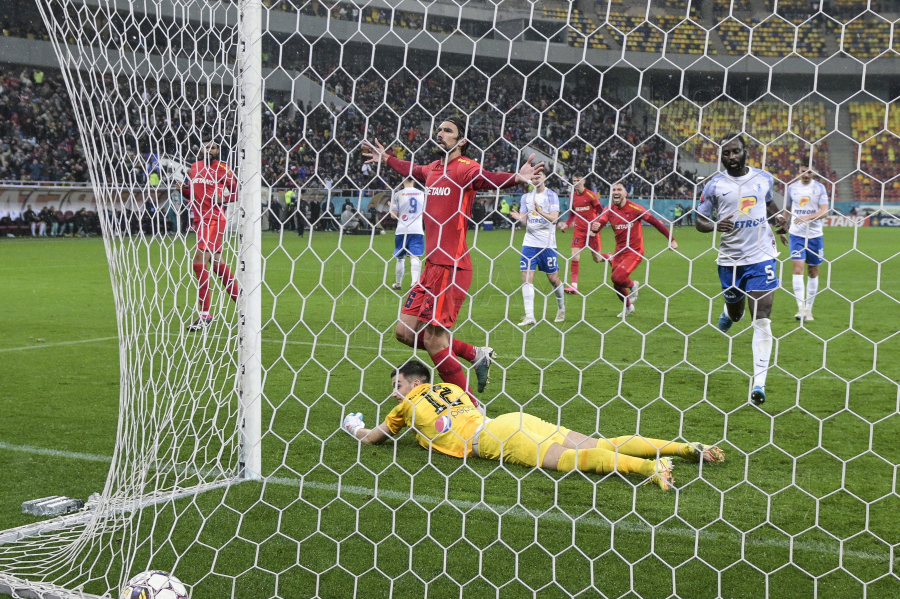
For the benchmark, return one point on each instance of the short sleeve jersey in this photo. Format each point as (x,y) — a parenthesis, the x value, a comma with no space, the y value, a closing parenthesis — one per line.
(409,204)
(585,208)
(206,181)
(744,199)
(442,416)
(540,232)
(803,200)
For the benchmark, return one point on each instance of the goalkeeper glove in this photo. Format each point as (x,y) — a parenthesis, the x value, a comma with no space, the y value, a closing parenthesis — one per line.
(353,422)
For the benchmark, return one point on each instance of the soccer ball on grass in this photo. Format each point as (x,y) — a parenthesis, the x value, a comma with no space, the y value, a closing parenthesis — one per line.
(154,584)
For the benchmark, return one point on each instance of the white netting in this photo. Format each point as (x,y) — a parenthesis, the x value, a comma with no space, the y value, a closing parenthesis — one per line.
(803,506)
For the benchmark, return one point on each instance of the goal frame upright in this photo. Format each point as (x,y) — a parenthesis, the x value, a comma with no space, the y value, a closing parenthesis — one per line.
(250,240)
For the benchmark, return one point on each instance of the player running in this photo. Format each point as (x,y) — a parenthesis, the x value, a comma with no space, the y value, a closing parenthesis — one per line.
(211,184)
(445,420)
(584,209)
(739,203)
(432,306)
(804,204)
(626,219)
(407,206)
(540,211)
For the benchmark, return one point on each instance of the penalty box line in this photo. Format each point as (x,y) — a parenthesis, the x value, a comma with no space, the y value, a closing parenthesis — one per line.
(506,511)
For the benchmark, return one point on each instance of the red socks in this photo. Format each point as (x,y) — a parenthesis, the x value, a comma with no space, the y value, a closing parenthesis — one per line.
(573,270)
(460,348)
(202,276)
(450,370)
(224,274)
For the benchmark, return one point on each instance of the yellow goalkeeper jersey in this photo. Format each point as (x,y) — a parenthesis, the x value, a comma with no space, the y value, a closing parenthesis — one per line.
(442,416)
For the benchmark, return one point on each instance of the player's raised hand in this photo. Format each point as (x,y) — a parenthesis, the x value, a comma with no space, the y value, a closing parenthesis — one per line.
(529,170)
(515,214)
(374,152)
(673,245)
(726,224)
(352,423)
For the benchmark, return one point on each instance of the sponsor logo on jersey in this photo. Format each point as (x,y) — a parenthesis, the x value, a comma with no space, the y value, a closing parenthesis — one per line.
(617,227)
(462,410)
(804,201)
(439,191)
(404,217)
(747,204)
(582,208)
(443,424)
(203,181)
(749,223)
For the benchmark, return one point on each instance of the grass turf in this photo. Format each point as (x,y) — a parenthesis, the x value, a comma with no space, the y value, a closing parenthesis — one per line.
(800,495)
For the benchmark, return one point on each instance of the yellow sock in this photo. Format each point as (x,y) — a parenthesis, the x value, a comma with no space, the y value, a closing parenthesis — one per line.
(642,447)
(603,461)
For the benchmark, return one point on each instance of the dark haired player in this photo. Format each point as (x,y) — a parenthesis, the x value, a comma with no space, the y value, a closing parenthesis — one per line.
(445,420)
(626,219)
(739,204)
(433,304)
(211,184)
(584,210)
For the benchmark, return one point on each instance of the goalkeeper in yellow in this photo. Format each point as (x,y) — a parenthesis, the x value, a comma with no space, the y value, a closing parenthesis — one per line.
(445,420)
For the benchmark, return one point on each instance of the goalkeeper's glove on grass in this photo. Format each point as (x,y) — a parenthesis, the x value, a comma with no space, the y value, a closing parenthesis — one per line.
(353,422)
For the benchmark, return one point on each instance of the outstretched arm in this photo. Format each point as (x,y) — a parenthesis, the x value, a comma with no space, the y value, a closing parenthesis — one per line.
(377,154)
(661,227)
(354,425)
(489,180)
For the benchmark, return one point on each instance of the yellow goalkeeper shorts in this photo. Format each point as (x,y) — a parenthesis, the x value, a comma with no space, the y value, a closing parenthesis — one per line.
(519,438)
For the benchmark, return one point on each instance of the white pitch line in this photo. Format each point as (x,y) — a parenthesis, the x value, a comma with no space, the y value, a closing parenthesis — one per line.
(507,511)
(43,345)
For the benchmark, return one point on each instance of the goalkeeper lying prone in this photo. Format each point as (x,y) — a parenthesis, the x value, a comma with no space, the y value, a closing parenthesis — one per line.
(445,420)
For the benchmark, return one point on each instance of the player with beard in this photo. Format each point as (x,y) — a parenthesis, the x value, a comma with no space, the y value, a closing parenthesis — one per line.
(626,219)
(433,304)
(739,204)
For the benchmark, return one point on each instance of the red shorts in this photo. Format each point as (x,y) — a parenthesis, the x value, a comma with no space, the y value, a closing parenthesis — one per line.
(629,259)
(210,232)
(439,294)
(580,239)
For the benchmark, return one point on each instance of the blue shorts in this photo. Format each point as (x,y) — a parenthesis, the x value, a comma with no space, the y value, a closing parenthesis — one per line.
(736,280)
(542,259)
(409,245)
(811,250)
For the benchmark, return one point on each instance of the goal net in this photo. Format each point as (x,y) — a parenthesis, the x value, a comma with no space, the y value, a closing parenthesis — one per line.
(231,469)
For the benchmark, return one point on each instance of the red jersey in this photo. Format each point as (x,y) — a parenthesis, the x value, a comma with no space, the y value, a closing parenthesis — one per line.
(584,209)
(206,186)
(449,197)
(626,223)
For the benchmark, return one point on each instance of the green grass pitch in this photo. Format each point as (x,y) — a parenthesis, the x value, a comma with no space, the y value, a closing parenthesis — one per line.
(804,505)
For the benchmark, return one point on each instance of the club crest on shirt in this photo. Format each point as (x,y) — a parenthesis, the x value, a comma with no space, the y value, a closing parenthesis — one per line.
(443,424)
(747,204)
(804,201)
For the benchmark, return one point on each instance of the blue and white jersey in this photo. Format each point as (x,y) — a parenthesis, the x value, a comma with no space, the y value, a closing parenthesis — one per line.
(744,199)
(803,200)
(409,204)
(539,232)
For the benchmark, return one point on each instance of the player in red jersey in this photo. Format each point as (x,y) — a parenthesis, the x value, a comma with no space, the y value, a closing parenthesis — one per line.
(432,305)
(625,218)
(211,184)
(584,209)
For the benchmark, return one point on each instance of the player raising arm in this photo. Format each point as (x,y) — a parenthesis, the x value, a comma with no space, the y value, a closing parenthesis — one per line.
(805,203)
(432,306)
(211,184)
(738,203)
(584,209)
(407,206)
(445,421)
(540,210)
(626,219)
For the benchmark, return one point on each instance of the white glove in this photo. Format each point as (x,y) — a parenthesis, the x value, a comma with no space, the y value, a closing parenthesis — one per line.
(353,422)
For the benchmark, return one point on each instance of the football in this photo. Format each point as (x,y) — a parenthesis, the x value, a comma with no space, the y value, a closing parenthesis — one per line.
(154,584)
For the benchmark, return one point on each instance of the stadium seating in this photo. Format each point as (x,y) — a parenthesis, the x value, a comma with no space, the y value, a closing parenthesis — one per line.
(878,151)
